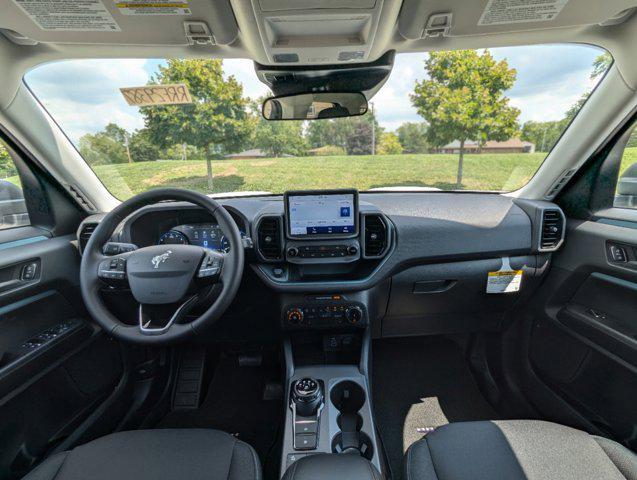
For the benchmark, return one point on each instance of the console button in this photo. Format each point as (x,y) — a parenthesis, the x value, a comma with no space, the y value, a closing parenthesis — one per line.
(294,316)
(306,426)
(352,249)
(354,315)
(305,441)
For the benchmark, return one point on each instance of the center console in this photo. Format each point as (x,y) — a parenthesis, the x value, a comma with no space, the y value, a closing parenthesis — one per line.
(320,236)
(328,398)
(321,241)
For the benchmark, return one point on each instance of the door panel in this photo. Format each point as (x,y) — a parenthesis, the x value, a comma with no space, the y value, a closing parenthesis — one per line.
(583,345)
(56,367)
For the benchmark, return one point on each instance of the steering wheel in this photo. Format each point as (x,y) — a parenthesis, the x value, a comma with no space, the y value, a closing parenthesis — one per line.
(166,280)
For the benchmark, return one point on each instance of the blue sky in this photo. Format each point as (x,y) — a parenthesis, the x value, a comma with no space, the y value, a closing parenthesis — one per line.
(83,95)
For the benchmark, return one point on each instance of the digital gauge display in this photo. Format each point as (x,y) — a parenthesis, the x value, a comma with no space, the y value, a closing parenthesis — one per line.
(207,235)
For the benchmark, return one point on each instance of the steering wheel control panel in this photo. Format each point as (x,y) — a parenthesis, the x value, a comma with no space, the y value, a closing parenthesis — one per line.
(324,313)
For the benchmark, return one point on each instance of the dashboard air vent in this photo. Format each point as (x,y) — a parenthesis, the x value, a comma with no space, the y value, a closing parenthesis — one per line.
(269,238)
(85,233)
(552,229)
(375,236)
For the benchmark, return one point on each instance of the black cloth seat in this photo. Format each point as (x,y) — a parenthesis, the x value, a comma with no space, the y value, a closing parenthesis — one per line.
(189,454)
(517,450)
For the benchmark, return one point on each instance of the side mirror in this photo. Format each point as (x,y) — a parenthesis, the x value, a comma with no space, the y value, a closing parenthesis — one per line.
(627,184)
(314,106)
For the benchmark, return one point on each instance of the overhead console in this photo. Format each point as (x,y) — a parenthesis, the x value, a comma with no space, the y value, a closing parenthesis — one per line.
(341,31)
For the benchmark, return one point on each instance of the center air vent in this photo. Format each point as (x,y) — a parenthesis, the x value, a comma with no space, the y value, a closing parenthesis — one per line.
(552,229)
(85,233)
(376,236)
(269,238)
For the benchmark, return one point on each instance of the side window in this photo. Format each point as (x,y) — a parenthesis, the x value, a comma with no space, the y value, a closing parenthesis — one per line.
(13,211)
(626,193)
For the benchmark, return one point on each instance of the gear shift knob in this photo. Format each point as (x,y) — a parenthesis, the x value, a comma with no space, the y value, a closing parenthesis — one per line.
(307,396)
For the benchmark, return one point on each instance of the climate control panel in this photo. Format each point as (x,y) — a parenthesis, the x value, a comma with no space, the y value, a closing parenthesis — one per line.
(324,315)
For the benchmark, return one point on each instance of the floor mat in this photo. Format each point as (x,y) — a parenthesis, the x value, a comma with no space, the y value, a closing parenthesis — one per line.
(235,403)
(418,383)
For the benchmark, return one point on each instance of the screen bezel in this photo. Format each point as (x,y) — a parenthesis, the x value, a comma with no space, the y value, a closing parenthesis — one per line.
(302,193)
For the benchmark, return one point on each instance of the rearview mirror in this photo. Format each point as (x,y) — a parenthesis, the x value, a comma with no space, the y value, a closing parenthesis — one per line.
(313,106)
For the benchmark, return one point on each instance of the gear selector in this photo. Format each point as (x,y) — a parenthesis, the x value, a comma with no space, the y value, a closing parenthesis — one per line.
(306,403)
(307,396)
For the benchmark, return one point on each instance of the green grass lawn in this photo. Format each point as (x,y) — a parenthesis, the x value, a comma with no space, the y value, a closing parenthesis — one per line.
(481,172)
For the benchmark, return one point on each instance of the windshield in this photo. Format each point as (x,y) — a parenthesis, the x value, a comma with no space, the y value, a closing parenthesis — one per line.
(459,120)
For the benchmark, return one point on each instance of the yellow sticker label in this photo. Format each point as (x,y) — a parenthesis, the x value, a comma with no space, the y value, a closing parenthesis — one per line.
(506,273)
(156,95)
(504,281)
(155,7)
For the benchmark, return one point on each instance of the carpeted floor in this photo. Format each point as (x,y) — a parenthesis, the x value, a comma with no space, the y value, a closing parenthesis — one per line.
(235,403)
(418,383)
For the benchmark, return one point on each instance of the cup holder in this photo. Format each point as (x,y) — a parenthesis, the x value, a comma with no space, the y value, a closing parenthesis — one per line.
(365,447)
(349,397)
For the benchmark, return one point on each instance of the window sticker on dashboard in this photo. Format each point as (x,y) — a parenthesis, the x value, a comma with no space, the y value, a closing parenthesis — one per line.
(503,12)
(156,95)
(504,280)
(153,7)
(69,15)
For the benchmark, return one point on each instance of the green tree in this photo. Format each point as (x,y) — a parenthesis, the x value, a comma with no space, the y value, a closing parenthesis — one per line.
(142,148)
(328,132)
(601,64)
(216,121)
(463,99)
(359,138)
(389,144)
(280,138)
(413,137)
(104,147)
(341,132)
(7,167)
(544,135)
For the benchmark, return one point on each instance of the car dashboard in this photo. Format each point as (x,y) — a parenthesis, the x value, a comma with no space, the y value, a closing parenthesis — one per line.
(409,263)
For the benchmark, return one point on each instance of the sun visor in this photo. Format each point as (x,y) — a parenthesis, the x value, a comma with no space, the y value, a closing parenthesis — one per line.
(479,17)
(114,22)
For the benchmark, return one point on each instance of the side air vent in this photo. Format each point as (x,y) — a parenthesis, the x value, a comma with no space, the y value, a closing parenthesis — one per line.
(376,236)
(552,230)
(86,231)
(269,241)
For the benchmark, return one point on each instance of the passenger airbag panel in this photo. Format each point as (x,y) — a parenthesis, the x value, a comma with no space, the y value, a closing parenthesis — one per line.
(451,297)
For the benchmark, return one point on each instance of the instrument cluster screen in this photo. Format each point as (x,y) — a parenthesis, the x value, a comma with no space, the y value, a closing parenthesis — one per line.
(329,214)
(207,235)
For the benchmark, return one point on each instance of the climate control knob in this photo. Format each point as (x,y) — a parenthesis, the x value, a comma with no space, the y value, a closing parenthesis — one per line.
(354,315)
(294,316)
(293,252)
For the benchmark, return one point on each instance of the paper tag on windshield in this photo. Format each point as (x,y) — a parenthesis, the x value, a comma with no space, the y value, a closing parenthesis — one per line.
(156,95)
(503,12)
(504,280)
(69,15)
(153,7)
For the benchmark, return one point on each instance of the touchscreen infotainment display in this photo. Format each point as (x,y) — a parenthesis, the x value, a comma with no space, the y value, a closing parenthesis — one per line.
(324,214)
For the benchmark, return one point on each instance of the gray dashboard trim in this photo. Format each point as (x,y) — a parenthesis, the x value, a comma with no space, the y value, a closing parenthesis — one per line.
(427,227)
